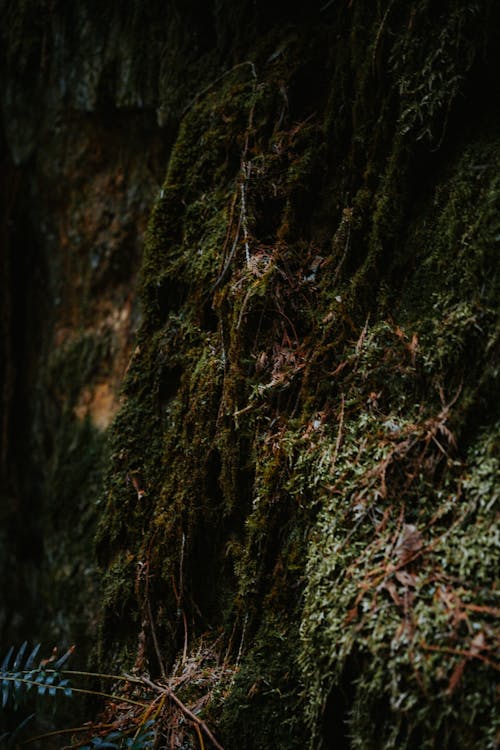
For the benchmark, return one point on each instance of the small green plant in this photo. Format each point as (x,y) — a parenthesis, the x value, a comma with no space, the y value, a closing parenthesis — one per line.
(142,740)
(18,676)
(137,711)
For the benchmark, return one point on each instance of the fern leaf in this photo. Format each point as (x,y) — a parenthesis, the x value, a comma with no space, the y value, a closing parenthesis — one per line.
(64,658)
(100,742)
(6,661)
(41,687)
(5,693)
(8,739)
(31,658)
(17,679)
(118,740)
(67,689)
(19,657)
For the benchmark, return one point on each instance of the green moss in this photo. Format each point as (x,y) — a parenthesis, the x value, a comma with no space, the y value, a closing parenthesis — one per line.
(307,391)
(264,707)
(396,642)
(408,627)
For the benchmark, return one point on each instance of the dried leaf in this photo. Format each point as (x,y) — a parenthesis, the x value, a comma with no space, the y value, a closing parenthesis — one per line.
(407,579)
(478,644)
(409,542)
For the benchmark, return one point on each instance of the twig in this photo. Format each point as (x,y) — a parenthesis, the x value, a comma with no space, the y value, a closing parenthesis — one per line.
(461,652)
(179,594)
(339,432)
(240,650)
(361,340)
(155,639)
(245,409)
(55,733)
(185,710)
(101,675)
(230,644)
(228,231)
(181,566)
(200,737)
(243,307)
(227,264)
(144,572)
(184,650)
(86,691)
(346,219)
(246,168)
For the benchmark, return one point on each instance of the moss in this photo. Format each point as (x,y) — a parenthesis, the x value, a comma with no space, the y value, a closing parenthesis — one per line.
(264,707)
(414,669)
(298,446)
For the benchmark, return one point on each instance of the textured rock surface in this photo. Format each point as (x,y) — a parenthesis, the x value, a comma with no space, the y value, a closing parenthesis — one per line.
(301,469)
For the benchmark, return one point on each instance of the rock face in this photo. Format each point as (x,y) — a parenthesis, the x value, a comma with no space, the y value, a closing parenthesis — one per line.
(263,431)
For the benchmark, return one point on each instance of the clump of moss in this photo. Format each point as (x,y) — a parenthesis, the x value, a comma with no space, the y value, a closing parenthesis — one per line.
(391,615)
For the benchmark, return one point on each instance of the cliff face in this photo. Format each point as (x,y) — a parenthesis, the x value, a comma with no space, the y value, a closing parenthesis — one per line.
(294,492)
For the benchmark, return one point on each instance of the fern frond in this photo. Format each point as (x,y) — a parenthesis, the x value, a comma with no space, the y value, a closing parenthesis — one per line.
(142,740)
(9,739)
(18,676)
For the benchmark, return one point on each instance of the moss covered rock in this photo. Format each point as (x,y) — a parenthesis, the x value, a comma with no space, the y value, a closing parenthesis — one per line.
(302,473)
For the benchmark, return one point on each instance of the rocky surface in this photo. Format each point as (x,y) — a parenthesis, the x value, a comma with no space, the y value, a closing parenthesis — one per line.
(250,358)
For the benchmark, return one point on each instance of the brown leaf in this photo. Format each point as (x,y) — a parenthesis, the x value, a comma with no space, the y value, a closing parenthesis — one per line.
(412,348)
(407,579)
(409,542)
(478,644)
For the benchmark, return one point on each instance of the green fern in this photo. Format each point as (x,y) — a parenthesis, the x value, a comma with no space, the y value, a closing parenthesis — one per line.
(143,740)
(128,729)
(18,675)
(10,739)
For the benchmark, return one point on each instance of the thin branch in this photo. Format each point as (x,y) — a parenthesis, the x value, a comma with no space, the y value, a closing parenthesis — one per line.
(346,219)
(240,650)
(461,652)
(155,639)
(200,737)
(114,677)
(339,433)
(185,710)
(86,691)
(246,168)
(227,264)
(185,649)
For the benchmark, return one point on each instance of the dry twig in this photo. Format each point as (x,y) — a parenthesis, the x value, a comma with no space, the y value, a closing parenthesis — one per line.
(185,710)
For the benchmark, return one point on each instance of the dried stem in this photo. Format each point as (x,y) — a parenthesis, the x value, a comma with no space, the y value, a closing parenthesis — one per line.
(339,432)
(185,710)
